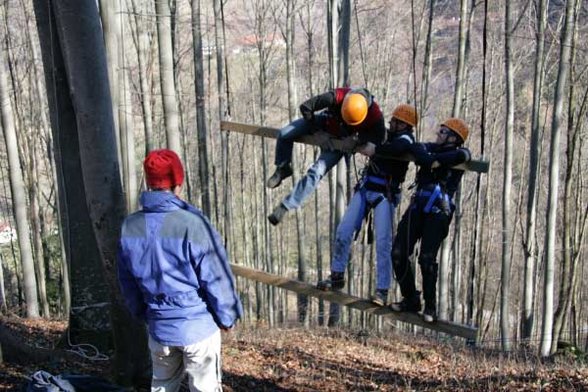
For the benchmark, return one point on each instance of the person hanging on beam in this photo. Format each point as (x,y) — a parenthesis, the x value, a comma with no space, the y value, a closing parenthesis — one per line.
(339,113)
(429,215)
(378,189)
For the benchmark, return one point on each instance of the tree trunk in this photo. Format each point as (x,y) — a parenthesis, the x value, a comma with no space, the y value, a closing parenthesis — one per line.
(427,66)
(554,159)
(166,74)
(200,109)
(19,198)
(530,244)
(36,219)
(507,186)
(570,207)
(143,43)
(223,113)
(112,12)
(340,11)
(89,179)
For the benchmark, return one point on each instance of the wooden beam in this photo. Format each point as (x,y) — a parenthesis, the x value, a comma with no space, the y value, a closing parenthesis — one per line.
(228,126)
(353,302)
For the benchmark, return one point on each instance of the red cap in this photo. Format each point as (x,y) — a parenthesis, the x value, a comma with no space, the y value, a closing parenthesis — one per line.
(163,169)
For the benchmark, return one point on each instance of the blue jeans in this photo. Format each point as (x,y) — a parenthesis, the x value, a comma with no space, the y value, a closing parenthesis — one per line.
(325,162)
(383,221)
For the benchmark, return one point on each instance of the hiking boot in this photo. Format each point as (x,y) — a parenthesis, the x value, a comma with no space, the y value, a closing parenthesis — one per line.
(380,297)
(282,172)
(412,304)
(334,282)
(429,314)
(277,214)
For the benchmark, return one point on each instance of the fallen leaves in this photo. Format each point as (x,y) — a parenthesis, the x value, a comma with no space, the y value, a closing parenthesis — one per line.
(258,358)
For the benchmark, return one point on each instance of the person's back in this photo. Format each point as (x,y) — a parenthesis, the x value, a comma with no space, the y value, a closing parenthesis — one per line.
(167,244)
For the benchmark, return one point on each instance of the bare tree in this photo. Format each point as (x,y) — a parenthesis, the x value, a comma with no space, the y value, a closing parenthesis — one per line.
(554,159)
(507,184)
(166,74)
(200,109)
(111,14)
(89,178)
(573,227)
(530,244)
(339,24)
(223,112)
(142,42)
(19,199)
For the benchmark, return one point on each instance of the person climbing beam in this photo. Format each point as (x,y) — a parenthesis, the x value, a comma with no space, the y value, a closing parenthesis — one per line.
(429,215)
(378,189)
(341,113)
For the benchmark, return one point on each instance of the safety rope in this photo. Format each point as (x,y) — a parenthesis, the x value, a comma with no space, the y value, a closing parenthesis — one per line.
(482,138)
(414,52)
(361,53)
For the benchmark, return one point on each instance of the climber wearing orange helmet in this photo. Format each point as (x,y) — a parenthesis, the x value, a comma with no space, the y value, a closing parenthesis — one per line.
(429,215)
(340,113)
(378,190)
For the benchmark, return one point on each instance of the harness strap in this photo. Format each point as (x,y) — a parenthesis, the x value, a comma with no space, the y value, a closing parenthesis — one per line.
(434,195)
(432,198)
(377,180)
(366,207)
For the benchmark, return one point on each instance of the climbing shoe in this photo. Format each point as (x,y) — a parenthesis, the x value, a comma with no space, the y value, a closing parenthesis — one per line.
(334,282)
(429,314)
(411,304)
(282,172)
(380,297)
(277,214)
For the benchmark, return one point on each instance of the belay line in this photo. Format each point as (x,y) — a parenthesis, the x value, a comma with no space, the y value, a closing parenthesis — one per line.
(351,301)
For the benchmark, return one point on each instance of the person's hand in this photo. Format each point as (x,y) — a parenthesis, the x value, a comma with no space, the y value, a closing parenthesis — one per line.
(323,139)
(368,149)
(227,329)
(308,115)
(435,164)
(348,144)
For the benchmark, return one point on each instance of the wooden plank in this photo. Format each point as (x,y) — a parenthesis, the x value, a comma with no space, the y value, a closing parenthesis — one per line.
(228,126)
(353,302)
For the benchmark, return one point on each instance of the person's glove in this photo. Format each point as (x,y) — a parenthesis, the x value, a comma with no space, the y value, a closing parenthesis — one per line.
(348,144)
(308,115)
(323,140)
(368,149)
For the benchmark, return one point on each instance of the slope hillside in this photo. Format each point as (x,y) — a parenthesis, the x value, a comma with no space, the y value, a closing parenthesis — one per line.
(297,359)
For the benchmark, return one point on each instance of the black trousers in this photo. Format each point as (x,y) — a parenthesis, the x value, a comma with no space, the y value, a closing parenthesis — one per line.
(430,229)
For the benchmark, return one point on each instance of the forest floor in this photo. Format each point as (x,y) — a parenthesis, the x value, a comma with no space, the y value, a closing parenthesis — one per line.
(256,358)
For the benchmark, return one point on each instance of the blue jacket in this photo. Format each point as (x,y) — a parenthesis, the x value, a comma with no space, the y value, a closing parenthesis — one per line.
(174,273)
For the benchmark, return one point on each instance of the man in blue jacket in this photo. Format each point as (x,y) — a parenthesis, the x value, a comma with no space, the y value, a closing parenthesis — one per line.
(428,217)
(174,274)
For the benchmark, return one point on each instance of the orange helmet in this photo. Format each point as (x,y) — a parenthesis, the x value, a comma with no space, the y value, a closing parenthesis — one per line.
(458,126)
(407,114)
(354,109)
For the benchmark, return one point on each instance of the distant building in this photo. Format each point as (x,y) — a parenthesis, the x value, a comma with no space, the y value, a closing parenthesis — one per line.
(7,233)
(250,42)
